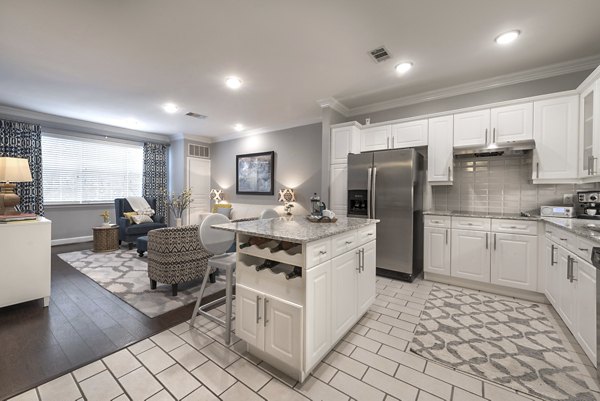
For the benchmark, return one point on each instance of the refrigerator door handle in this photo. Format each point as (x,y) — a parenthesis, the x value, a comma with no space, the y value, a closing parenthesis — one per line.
(369,200)
(373,191)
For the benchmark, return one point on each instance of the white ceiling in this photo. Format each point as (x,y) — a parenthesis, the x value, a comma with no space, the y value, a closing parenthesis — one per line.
(108,61)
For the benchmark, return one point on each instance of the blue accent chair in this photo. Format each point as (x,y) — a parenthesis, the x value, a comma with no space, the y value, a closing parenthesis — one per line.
(131,232)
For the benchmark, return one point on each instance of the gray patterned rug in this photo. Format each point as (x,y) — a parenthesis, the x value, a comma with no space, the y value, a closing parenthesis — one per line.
(125,274)
(504,340)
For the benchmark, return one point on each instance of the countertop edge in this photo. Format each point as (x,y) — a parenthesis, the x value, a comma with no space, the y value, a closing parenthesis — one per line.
(483,216)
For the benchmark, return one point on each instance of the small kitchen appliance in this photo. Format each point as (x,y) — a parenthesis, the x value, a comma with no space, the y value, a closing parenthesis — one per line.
(557,211)
(316,205)
(587,204)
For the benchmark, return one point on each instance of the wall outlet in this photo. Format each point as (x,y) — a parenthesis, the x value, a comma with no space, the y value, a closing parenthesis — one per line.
(367,121)
(568,199)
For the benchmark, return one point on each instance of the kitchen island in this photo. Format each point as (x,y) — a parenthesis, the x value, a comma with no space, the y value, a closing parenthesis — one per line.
(301,286)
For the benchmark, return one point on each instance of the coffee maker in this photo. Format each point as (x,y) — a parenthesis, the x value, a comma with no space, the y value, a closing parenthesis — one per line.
(587,204)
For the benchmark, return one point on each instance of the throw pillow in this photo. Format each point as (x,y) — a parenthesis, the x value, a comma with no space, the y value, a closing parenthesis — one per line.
(220,206)
(225,211)
(130,215)
(141,218)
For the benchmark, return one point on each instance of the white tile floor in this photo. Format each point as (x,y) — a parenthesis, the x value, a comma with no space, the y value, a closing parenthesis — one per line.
(372,363)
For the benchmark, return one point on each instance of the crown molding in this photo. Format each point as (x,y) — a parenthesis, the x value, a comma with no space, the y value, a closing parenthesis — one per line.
(192,137)
(55,122)
(265,130)
(477,86)
(334,104)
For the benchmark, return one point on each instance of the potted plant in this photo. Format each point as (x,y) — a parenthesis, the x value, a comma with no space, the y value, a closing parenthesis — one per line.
(177,203)
(106,218)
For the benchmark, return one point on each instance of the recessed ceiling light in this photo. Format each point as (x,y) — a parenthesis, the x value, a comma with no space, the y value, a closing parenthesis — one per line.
(238,127)
(404,67)
(507,37)
(170,108)
(233,82)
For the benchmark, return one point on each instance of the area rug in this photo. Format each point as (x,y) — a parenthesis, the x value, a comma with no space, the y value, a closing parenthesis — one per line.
(125,274)
(507,341)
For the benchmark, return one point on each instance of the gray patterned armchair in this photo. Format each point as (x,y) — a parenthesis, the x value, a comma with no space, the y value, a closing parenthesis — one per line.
(176,255)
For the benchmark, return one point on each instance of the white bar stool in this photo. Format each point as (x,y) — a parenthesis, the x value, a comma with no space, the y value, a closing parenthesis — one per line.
(217,242)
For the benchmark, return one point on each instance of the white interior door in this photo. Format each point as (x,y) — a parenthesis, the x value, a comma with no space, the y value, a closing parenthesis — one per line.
(198,179)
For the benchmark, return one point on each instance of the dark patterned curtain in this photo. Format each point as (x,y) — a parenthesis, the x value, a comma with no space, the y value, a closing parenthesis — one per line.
(19,139)
(155,176)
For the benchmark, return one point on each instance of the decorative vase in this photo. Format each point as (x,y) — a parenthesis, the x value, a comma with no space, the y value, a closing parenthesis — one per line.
(106,224)
(178,222)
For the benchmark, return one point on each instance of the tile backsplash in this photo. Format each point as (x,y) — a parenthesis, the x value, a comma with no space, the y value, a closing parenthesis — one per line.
(500,184)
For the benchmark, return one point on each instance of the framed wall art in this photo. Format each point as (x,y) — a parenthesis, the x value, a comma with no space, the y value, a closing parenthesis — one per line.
(255,174)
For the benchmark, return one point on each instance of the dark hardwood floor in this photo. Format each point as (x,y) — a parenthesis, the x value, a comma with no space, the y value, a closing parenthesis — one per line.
(84,322)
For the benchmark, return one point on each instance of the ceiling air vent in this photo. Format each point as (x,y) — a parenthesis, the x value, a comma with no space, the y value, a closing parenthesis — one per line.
(195,115)
(380,54)
(198,151)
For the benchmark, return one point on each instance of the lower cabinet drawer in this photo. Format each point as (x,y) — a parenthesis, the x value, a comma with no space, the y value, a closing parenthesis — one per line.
(584,249)
(344,242)
(318,252)
(515,226)
(471,223)
(437,221)
(367,234)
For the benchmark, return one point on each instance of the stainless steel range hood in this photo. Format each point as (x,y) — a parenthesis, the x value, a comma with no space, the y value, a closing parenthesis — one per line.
(504,149)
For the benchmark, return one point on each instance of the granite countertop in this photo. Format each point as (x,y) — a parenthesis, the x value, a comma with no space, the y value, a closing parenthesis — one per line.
(577,226)
(295,228)
(510,216)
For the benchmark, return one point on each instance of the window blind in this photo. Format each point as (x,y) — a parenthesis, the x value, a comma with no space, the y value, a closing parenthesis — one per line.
(78,170)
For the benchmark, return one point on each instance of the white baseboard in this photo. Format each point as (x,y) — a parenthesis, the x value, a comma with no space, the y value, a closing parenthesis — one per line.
(73,240)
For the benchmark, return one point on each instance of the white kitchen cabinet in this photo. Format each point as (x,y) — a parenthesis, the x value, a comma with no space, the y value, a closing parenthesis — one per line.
(514,261)
(198,180)
(555,125)
(470,255)
(512,123)
(282,323)
(270,324)
(589,139)
(338,189)
(318,325)
(585,289)
(472,129)
(566,290)
(375,138)
(410,134)
(439,153)
(437,250)
(343,299)
(344,140)
(366,289)
(551,272)
(248,318)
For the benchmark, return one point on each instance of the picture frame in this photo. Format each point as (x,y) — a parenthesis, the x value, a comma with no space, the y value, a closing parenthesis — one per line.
(255,173)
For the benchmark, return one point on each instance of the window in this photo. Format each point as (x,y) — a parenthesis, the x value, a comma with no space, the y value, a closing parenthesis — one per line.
(81,170)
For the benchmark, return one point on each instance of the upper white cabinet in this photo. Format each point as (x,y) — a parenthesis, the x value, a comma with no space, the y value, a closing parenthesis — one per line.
(439,154)
(589,141)
(555,123)
(375,138)
(410,134)
(472,129)
(344,140)
(512,123)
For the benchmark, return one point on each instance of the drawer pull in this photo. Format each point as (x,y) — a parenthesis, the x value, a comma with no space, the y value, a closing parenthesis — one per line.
(436,221)
(513,227)
(469,224)
(584,249)
(548,232)
(563,239)
(323,252)
(369,234)
(348,242)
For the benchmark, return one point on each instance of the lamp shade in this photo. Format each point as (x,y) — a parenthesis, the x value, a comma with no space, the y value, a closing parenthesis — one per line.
(287,195)
(216,195)
(14,169)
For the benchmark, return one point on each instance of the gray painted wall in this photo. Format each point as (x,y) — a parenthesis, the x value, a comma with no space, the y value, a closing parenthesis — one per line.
(526,89)
(297,163)
(76,221)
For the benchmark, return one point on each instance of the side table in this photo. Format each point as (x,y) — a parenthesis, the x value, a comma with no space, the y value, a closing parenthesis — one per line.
(106,239)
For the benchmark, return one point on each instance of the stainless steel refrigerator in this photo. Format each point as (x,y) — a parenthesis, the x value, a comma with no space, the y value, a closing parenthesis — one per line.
(388,185)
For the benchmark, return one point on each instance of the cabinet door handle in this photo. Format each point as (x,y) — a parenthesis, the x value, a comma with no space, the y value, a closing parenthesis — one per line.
(449,173)
(362,260)
(572,278)
(552,262)
(537,167)
(486,132)
(392,142)
(594,165)
(387,142)
(584,249)
(494,241)
(486,240)
(494,136)
(358,254)
(265,320)
(590,165)
(257,309)
(446,236)
(568,267)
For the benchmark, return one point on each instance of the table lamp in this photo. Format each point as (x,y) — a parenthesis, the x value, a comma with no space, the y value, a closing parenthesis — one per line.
(287,196)
(216,195)
(12,169)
